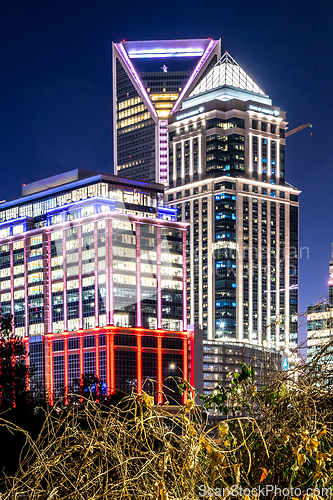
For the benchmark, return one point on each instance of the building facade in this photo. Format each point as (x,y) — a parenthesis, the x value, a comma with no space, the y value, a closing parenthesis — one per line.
(227,179)
(145,92)
(93,269)
(320,326)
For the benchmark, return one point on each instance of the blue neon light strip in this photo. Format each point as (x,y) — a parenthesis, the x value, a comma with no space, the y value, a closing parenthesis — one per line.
(172,212)
(82,203)
(15,222)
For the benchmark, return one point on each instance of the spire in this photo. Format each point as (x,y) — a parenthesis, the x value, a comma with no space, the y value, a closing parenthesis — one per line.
(227,72)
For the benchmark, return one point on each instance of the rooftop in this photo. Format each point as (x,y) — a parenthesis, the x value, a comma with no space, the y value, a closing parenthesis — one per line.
(225,81)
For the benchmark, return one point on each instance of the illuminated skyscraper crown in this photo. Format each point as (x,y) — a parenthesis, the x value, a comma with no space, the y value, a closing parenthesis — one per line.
(227,72)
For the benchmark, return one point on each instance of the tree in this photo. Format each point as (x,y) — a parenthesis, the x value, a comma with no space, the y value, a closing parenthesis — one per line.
(13,369)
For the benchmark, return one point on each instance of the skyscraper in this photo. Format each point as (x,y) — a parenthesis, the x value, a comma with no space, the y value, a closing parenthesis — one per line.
(150,81)
(227,179)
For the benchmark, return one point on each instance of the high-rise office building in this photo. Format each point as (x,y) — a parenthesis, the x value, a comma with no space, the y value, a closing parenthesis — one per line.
(150,81)
(92,267)
(227,179)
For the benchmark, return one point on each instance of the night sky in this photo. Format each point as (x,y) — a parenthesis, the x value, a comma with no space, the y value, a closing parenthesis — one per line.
(56,92)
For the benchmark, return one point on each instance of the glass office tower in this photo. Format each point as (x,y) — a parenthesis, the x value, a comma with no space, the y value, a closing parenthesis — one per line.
(227,180)
(93,269)
(150,81)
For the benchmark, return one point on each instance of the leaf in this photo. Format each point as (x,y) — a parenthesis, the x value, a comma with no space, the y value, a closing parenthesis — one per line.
(301,459)
(189,405)
(223,429)
(263,474)
(181,389)
(206,443)
(312,445)
(237,472)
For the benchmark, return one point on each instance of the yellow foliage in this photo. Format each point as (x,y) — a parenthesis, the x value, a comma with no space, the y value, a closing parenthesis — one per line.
(301,459)
(223,429)
(305,435)
(189,405)
(312,445)
(322,432)
(237,472)
(191,431)
(160,491)
(147,400)
(253,391)
(206,443)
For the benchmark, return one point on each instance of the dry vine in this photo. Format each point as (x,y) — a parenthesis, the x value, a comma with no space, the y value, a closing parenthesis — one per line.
(281,435)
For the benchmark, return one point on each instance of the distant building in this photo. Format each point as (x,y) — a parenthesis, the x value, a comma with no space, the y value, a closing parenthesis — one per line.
(320,326)
(93,269)
(222,357)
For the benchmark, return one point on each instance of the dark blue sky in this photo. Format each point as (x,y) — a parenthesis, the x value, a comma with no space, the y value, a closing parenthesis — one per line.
(56,101)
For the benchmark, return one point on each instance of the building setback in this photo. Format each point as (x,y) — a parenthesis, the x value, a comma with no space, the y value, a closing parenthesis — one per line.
(92,267)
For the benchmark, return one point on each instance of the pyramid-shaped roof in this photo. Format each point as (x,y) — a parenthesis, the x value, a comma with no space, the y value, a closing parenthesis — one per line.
(227,72)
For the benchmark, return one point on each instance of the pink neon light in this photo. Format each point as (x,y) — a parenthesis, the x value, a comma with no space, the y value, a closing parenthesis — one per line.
(111,367)
(12,285)
(50,371)
(81,352)
(150,55)
(109,274)
(64,281)
(163,151)
(47,256)
(66,367)
(96,277)
(159,289)
(108,364)
(26,313)
(26,346)
(80,279)
(139,344)
(138,277)
(202,61)
(185,366)
(192,380)
(136,77)
(97,354)
(184,283)
(159,371)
